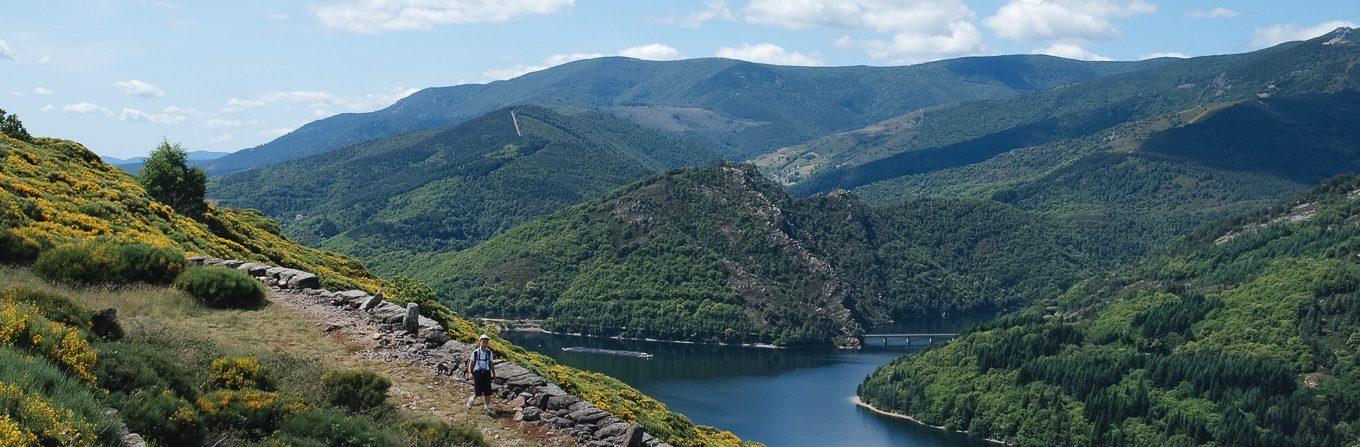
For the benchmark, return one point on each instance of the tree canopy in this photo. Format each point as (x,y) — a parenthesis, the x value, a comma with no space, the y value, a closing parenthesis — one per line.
(169,179)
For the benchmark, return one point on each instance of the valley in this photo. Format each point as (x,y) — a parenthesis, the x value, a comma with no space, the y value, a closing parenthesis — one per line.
(1162,252)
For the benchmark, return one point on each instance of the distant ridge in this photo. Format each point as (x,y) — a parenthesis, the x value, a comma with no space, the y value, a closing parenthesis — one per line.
(786,105)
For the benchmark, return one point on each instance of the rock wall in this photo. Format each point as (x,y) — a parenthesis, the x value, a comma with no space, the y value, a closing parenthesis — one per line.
(418,339)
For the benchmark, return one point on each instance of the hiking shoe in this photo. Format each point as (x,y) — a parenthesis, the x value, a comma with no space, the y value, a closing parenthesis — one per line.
(471,400)
(487,409)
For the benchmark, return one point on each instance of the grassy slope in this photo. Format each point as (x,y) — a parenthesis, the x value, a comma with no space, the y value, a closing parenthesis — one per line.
(1247,340)
(446,189)
(55,190)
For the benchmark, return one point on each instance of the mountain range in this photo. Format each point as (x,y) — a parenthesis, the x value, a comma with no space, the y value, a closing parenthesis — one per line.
(1094,164)
(748,108)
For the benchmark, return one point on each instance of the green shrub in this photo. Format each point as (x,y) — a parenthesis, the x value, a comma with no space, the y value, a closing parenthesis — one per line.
(128,367)
(58,308)
(355,390)
(88,262)
(16,250)
(332,428)
(155,265)
(240,374)
(256,412)
(27,379)
(221,287)
(160,416)
(437,433)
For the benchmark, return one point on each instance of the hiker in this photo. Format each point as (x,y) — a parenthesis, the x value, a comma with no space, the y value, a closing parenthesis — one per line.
(480,370)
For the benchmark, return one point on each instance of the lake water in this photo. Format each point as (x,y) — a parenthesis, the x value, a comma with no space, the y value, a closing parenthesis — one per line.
(778,397)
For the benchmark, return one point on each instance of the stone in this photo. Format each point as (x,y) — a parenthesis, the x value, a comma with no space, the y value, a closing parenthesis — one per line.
(588,415)
(246,266)
(633,436)
(303,280)
(133,440)
(540,400)
(412,321)
(105,324)
(530,414)
(611,419)
(231,264)
(274,272)
(561,401)
(371,302)
(612,430)
(517,402)
(435,338)
(258,270)
(525,380)
(351,295)
(197,260)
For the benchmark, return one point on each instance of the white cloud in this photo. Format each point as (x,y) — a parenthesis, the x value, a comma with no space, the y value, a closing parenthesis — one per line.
(276,16)
(48,108)
(220,122)
(1278,34)
(1063,19)
(1163,54)
(768,53)
(376,16)
(1070,51)
(654,51)
(920,29)
(86,108)
(274,133)
(44,91)
(222,138)
(1216,13)
(921,16)
(44,60)
(6,53)
(162,118)
(16,93)
(713,9)
(138,88)
(651,52)
(909,47)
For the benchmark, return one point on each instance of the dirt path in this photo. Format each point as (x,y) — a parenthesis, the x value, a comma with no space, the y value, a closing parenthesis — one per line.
(416,387)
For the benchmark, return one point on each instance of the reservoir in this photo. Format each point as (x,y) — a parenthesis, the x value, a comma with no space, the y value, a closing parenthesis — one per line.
(778,397)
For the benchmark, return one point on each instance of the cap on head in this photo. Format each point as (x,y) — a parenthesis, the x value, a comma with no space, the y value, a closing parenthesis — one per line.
(484,337)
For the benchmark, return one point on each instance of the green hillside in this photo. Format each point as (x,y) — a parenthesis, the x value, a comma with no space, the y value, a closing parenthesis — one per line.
(744,107)
(1147,154)
(55,195)
(446,189)
(720,254)
(1246,333)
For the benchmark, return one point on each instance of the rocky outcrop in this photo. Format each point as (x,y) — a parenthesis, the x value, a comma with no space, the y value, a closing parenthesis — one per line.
(421,340)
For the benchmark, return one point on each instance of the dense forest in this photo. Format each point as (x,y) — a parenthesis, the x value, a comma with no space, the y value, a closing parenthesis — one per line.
(721,254)
(1245,333)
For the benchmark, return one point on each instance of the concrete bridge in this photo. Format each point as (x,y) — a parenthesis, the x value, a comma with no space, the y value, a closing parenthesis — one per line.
(930,338)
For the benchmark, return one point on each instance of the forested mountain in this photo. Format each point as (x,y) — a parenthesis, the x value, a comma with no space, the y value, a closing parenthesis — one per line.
(745,107)
(1245,333)
(446,189)
(1146,154)
(721,254)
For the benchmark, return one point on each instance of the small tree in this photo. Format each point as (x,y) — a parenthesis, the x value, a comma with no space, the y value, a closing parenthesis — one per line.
(169,179)
(10,125)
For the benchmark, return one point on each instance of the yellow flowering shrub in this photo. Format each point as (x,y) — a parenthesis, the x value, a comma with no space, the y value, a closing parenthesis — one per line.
(247,409)
(54,191)
(239,373)
(37,422)
(23,326)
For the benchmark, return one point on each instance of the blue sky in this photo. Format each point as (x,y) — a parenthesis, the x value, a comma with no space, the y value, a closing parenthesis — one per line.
(119,76)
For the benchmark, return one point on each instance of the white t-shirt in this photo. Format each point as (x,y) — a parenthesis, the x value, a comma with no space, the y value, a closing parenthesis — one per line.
(482,359)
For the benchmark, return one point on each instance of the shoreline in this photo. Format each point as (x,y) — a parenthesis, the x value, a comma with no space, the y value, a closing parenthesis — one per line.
(874,409)
(657,340)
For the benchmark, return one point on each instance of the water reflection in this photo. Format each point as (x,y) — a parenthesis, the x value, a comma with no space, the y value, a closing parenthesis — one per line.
(785,397)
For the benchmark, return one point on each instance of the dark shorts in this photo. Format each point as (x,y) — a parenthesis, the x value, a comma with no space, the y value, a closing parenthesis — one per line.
(481,382)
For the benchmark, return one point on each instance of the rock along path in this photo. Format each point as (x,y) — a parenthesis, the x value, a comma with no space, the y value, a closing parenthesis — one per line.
(426,367)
